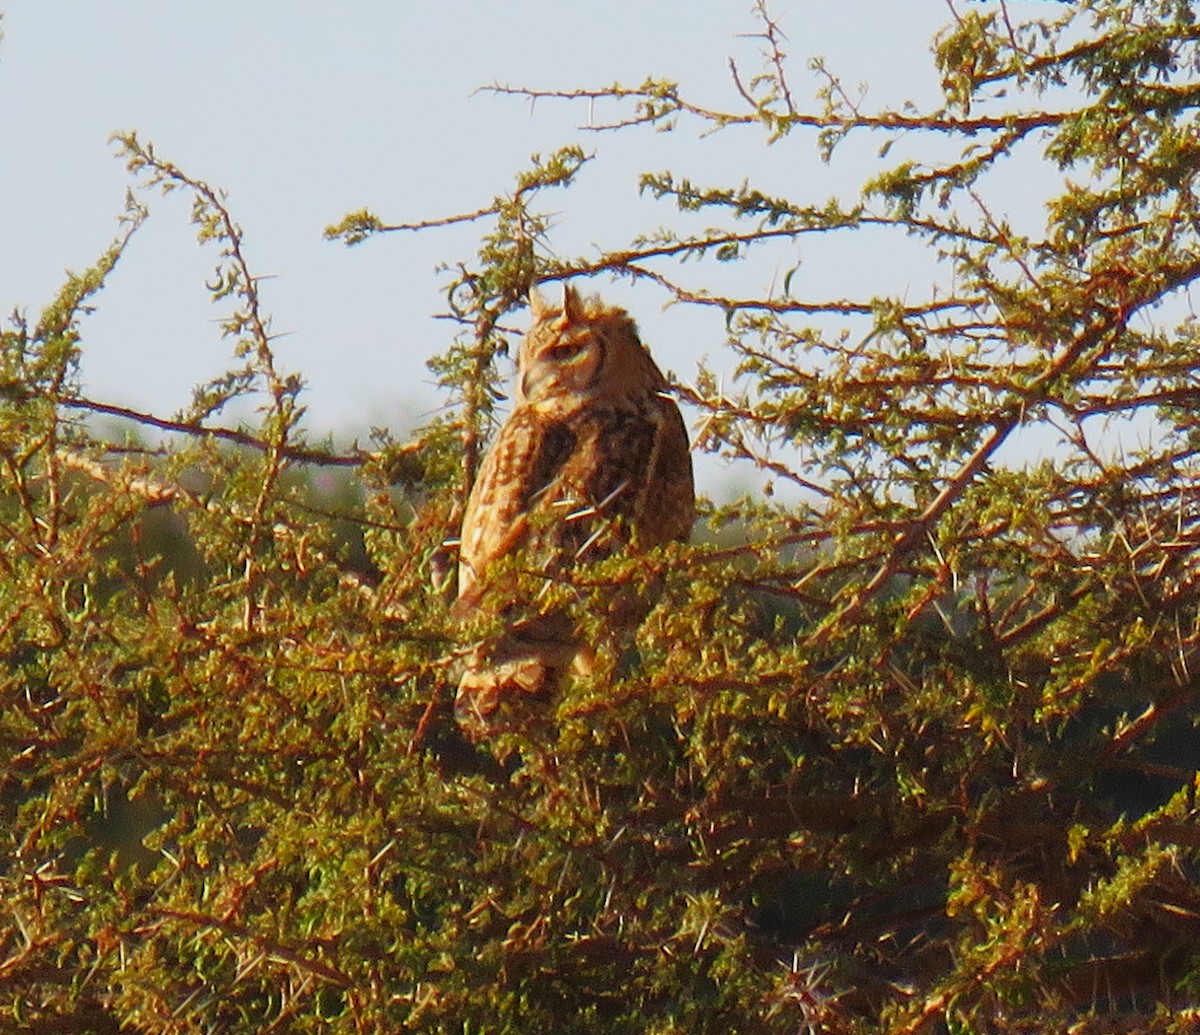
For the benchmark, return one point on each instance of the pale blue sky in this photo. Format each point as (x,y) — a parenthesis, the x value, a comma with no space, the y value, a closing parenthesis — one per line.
(303,111)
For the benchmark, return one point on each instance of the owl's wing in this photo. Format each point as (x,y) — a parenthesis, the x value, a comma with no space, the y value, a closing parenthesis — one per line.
(524,464)
(668,506)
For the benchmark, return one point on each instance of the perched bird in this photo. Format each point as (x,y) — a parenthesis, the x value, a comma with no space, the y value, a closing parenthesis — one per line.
(593,459)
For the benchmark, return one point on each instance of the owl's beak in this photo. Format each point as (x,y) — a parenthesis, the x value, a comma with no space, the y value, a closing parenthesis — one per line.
(532,378)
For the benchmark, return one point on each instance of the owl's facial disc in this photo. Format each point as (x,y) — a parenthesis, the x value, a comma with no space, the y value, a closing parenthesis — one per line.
(566,364)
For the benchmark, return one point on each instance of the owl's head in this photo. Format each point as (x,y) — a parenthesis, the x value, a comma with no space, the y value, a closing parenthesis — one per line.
(583,350)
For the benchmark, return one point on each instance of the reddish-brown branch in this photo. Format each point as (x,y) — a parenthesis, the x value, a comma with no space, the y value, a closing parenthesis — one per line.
(295,454)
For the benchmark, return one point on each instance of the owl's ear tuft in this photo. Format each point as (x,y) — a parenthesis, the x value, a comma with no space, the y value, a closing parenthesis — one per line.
(537,304)
(572,304)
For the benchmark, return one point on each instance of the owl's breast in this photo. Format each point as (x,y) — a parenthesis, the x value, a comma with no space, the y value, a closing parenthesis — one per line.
(574,487)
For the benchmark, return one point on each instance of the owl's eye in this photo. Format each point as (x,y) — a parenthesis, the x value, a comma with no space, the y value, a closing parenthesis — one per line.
(566,351)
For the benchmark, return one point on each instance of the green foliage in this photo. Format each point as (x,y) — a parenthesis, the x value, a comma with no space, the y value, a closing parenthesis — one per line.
(914,753)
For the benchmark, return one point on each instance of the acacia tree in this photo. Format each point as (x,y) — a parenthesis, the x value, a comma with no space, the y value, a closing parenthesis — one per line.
(916,753)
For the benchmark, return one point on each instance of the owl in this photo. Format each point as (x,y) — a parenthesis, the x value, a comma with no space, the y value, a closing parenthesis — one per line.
(594,458)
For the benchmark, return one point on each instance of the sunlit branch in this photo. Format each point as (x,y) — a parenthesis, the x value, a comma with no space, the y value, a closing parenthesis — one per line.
(297,454)
(662,101)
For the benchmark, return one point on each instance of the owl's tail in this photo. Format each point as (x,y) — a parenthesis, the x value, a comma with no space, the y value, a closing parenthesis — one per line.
(528,664)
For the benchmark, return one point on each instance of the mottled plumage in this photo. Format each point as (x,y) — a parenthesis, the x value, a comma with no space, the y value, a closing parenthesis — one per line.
(594,457)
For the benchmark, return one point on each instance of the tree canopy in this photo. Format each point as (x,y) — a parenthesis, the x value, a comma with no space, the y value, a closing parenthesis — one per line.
(909,747)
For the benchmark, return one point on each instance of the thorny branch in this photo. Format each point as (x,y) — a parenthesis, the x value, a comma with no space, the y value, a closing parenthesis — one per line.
(234,436)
